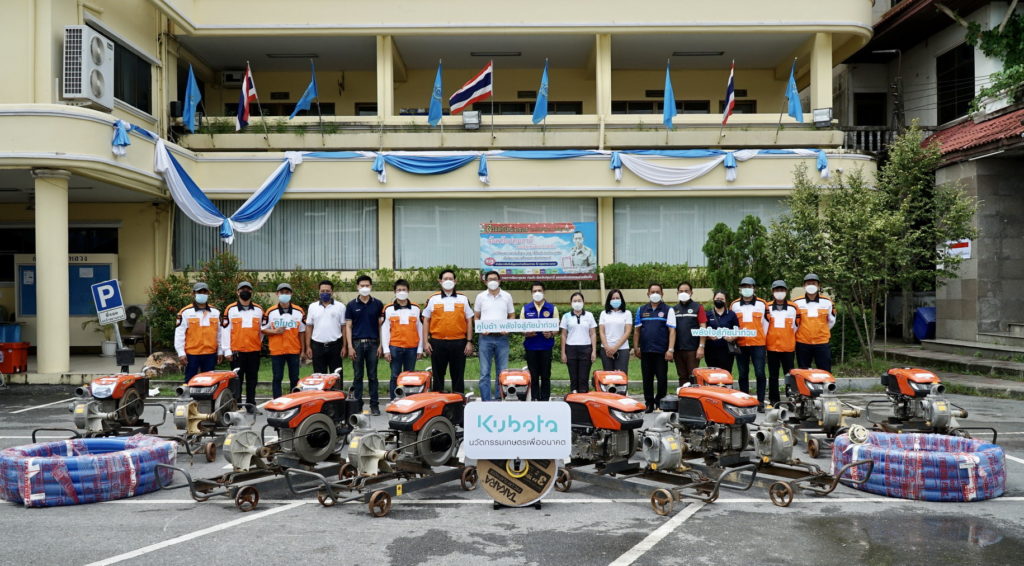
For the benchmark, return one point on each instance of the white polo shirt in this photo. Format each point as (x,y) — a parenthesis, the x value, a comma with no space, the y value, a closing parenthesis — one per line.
(614,324)
(494,307)
(327,321)
(577,328)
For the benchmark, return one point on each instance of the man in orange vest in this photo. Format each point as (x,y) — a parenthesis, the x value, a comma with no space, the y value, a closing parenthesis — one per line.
(817,317)
(751,312)
(197,333)
(781,341)
(448,334)
(244,340)
(285,327)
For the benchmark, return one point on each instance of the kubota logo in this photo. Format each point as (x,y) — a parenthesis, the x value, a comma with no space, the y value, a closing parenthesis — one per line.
(512,424)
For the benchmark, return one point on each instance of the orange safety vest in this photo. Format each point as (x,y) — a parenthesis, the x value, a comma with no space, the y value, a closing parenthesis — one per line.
(781,338)
(293,322)
(814,329)
(752,317)
(448,320)
(244,325)
(202,330)
(402,325)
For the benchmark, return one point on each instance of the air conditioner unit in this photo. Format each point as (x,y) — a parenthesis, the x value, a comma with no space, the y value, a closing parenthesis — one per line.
(231,78)
(88,68)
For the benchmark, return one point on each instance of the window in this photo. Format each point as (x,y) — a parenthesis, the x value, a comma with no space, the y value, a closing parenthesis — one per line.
(307,233)
(656,106)
(22,240)
(366,109)
(644,225)
(694,107)
(742,107)
(279,109)
(954,72)
(502,108)
(432,232)
(869,109)
(133,83)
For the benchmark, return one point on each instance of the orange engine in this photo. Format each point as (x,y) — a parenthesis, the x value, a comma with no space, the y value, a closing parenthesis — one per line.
(412,382)
(611,381)
(710,376)
(320,382)
(115,386)
(514,383)
(810,382)
(607,411)
(413,411)
(911,382)
(208,385)
(288,411)
(701,406)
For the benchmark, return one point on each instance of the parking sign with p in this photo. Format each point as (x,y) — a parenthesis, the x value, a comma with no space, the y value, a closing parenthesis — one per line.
(106,295)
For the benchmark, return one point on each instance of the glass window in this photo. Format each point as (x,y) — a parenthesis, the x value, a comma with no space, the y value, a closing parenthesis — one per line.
(133,83)
(673,230)
(311,234)
(80,241)
(869,109)
(432,232)
(954,72)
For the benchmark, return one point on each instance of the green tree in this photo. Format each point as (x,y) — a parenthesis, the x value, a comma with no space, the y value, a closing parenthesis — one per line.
(732,256)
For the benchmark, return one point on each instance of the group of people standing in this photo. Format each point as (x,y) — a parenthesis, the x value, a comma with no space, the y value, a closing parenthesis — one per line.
(780,333)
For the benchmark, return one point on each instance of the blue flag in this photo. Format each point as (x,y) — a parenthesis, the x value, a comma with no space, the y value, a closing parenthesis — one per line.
(308,96)
(192,98)
(434,116)
(540,109)
(669,110)
(793,95)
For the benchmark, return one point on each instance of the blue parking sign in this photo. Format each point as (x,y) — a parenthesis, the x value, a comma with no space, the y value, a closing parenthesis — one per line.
(106,295)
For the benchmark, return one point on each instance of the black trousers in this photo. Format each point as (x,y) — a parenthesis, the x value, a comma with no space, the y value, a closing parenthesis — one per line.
(619,363)
(326,357)
(577,360)
(821,354)
(539,364)
(719,358)
(248,364)
(777,360)
(445,355)
(654,366)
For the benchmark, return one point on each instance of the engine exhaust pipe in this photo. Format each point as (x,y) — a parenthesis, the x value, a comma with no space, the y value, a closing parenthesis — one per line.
(399,392)
(81,392)
(510,391)
(180,390)
(830,387)
(612,389)
(938,389)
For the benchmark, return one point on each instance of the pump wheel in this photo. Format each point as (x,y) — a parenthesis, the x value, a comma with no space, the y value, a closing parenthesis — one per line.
(347,471)
(662,501)
(247,498)
(564,480)
(323,499)
(380,503)
(781,494)
(469,478)
(210,449)
(813,448)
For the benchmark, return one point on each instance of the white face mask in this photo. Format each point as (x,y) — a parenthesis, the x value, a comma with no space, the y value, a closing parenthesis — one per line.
(683,297)
(538,296)
(284,299)
(779,295)
(402,295)
(447,284)
(577,306)
(365,291)
(655,297)
(747,292)
(493,284)
(811,289)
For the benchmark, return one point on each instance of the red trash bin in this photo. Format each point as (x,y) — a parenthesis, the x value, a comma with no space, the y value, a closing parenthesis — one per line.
(14,357)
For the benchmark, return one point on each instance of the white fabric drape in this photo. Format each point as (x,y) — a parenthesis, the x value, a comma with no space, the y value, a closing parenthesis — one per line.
(670,175)
(179,192)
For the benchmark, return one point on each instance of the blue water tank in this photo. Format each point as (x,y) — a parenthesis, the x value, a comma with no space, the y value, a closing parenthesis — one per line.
(924,323)
(10,332)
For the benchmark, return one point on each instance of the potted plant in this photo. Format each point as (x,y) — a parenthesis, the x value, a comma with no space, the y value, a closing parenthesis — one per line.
(107,347)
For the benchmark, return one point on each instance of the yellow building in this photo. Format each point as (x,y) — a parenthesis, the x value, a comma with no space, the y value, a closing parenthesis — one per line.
(375,66)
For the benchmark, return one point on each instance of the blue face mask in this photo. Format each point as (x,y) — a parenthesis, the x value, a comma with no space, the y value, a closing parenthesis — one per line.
(616,303)
(284,299)
(201,298)
(325,297)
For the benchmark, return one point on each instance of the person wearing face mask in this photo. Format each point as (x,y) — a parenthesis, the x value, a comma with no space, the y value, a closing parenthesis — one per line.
(579,343)
(492,304)
(689,349)
(652,344)
(198,334)
(817,317)
(718,352)
(751,312)
(244,340)
(538,345)
(781,340)
(285,327)
(325,340)
(448,335)
(401,334)
(615,325)
(362,336)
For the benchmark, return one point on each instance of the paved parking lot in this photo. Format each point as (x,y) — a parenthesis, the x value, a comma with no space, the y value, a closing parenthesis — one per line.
(445,525)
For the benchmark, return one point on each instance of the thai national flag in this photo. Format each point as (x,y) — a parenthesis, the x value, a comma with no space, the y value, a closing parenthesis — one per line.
(247,96)
(730,95)
(478,88)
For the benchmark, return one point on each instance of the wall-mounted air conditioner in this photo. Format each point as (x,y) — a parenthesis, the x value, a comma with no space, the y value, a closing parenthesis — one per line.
(88,74)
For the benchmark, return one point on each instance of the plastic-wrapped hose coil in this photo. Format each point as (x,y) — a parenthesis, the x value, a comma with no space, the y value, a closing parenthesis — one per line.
(928,467)
(83,470)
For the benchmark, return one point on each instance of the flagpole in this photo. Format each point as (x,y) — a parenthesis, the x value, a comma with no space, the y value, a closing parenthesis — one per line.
(492,99)
(263,117)
(323,139)
(783,109)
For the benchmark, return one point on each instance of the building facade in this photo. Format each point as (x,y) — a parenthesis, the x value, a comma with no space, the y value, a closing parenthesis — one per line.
(69,205)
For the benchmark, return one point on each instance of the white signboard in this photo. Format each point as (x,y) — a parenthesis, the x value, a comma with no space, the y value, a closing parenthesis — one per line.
(496,431)
(517,325)
(959,248)
(724,332)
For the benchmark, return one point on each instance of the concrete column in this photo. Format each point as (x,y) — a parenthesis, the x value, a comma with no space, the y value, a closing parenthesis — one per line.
(603,73)
(385,77)
(821,71)
(52,313)
(605,230)
(386,233)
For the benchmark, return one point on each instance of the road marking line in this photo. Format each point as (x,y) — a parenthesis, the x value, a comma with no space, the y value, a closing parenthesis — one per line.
(631,555)
(1014,458)
(29,436)
(193,535)
(41,406)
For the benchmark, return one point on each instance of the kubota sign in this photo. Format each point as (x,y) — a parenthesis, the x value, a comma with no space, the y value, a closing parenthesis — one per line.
(517,430)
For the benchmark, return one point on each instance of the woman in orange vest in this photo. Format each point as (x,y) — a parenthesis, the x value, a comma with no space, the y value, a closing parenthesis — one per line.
(285,326)
(197,333)
(782,320)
